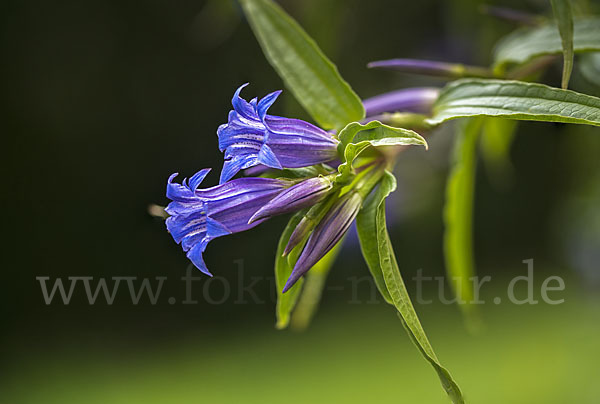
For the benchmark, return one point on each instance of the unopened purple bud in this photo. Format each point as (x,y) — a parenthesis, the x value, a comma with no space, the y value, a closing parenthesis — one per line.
(418,66)
(300,196)
(308,223)
(417,99)
(432,68)
(326,235)
(302,230)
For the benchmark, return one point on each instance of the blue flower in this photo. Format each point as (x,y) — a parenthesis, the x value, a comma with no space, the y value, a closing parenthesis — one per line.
(201,215)
(251,137)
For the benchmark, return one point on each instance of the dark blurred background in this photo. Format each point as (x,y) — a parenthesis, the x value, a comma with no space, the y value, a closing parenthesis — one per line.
(105,99)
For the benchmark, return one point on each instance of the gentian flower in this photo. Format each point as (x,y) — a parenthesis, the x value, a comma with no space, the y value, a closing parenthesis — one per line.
(326,235)
(251,137)
(201,215)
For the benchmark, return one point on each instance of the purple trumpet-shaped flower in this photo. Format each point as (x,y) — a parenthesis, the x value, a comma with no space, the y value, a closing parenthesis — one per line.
(300,196)
(418,99)
(200,215)
(326,235)
(251,137)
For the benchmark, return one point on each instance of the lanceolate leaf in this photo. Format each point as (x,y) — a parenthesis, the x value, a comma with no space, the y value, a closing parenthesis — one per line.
(458,213)
(393,283)
(564,18)
(528,43)
(313,289)
(283,269)
(514,100)
(355,138)
(366,228)
(307,72)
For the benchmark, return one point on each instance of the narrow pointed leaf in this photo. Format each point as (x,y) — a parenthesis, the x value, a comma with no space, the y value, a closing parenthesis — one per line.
(458,214)
(314,282)
(366,227)
(564,19)
(283,269)
(356,137)
(398,294)
(514,100)
(526,44)
(306,71)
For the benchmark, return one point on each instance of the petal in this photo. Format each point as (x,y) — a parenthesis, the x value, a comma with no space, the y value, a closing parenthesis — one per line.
(195,255)
(240,105)
(178,192)
(198,178)
(265,104)
(233,166)
(215,229)
(268,158)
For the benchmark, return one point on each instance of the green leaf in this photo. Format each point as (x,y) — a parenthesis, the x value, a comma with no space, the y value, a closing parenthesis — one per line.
(305,70)
(458,215)
(366,227)
(496,141)
(283,269)
(564,18)
(528,43)
(314,282)
(356,137)
(514,100)
(397,293)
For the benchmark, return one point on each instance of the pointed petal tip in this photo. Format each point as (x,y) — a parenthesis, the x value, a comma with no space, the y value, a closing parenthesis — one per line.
(259,215)
(287,286)
(204,270)
(172,177)
(197,179)
(240,88)
(375,64)
(294,277)
(255,217)
(288,249)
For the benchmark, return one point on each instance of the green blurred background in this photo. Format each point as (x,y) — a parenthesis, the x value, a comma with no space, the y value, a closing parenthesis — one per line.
(105,99)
